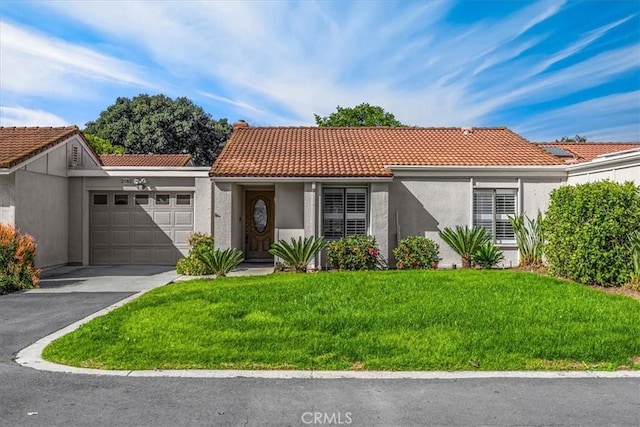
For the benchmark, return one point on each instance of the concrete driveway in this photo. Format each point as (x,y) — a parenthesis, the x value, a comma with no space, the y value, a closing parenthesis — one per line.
(110,278)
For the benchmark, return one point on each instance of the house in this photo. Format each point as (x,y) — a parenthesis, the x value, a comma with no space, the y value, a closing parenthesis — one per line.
(87,209)
(272,183)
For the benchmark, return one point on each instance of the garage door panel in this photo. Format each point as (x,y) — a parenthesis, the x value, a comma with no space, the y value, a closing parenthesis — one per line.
(100,218)
(184,219)
(142,237)
(141,219)
(120,219)
(163,219)
(164,255)
(139,234)
(120,237)
(142,255)
(121,255)
(100,237)
(181,237)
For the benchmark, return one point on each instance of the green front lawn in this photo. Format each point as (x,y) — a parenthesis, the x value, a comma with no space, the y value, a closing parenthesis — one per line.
(382,320)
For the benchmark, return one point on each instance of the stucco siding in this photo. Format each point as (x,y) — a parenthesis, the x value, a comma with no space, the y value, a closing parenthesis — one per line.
(622,174)
(76,221)
(536,195)
(380,216)
(289,206)
(7,199)
(203,205)
(42,210)
(423,207)
(228,225)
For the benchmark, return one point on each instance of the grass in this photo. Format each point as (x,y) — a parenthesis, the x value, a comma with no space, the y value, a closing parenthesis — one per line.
(381,320)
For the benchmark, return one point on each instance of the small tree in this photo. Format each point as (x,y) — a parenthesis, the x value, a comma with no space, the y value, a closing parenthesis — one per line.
(358,116)
(465,241)
(587,229)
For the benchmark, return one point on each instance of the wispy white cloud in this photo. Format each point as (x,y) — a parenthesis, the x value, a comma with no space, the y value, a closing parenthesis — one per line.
(602,118)
(34,63)
(19,116)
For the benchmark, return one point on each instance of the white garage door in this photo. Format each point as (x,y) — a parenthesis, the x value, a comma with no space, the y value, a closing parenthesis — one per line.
(139,227)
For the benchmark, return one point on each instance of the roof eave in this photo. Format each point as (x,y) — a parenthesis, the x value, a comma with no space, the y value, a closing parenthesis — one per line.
(557,171)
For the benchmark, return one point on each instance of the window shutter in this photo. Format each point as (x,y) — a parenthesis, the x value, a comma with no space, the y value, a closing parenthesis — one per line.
(356,199)
(333,214)
(505,207)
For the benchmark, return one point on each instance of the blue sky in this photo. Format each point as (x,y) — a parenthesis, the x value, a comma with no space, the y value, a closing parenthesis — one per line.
(544,69)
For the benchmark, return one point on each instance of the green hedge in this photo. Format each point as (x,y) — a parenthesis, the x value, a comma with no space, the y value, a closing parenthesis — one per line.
(587,228)
(416,252)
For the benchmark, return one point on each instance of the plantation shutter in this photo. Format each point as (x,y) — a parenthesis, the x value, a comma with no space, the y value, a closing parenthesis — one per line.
(483,209)
(505,207)
(333,213)
(344,212)
(356,211)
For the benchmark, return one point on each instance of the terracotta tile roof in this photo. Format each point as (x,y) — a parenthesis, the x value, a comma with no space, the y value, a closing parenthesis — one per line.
(587,151)
(18,144)
(363,152)
(146,160)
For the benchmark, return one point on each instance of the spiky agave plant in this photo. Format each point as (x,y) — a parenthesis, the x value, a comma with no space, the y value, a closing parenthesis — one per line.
(488,255)
(465,241)
(220,262)
(529,238)
(298,253)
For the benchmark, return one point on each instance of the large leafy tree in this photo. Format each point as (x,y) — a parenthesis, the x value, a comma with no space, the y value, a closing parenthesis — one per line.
(158,124)
(358,116)
(102,146)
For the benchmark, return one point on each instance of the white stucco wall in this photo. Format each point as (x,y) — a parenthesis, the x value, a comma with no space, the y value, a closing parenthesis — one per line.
(425,206)
(379,217)
(77,206)
(615,173)
(7,199)
(42,210)
(227,220)
(203,205)
(289,206)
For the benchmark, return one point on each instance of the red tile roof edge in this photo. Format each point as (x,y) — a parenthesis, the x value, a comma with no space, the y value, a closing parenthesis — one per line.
(71,131)
(186,158)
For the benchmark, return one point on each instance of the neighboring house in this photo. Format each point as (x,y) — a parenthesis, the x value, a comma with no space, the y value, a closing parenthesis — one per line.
(272,183)
(597,161)
(87,209)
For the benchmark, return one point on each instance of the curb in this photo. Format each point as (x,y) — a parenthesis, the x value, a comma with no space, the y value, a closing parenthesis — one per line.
(31,357)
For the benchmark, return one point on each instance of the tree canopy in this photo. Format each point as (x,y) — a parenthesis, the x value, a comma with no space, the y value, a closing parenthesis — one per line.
(358,116)
(161,125)
(102,146)
(577,138)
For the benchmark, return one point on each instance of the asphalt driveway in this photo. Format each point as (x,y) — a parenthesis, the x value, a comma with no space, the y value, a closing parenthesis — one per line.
(32,397)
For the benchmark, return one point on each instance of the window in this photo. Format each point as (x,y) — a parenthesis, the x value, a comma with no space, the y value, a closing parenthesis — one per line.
(99,199)
(162,199)
(491,211)
(121,199)
(344,212)
(141,199)
(183,199)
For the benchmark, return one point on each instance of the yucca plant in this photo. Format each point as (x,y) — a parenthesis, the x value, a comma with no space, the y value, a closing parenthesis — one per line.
(488,255)
(220,262)
(529,238)
(298,253)
(465,241)
(634,246)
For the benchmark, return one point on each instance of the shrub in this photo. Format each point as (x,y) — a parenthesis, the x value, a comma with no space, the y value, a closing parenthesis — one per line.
(529,238)
(354,253)
(634,247)
(298,253)
(587,229)
(220,262)
(191,264)
(465,241)
(488,255)
(416,252)
(17,255)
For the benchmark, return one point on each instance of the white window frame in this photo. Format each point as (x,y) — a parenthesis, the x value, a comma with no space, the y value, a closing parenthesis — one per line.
(344,215)
(480,219)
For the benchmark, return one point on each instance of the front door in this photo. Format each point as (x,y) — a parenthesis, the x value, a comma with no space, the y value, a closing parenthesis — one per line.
(259,224)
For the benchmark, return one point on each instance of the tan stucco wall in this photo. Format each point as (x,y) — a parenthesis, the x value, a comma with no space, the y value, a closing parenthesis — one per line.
(42,210)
